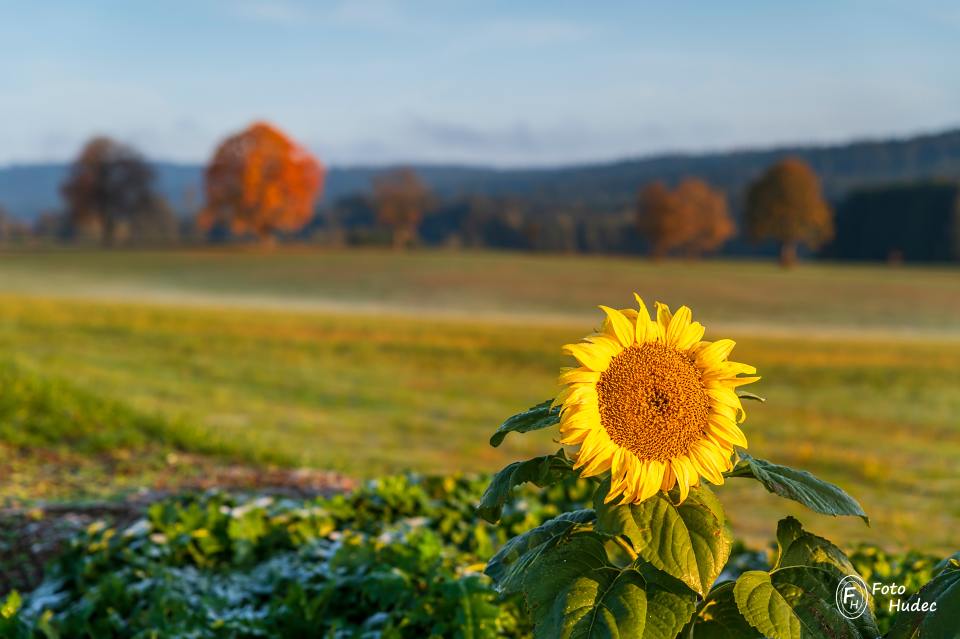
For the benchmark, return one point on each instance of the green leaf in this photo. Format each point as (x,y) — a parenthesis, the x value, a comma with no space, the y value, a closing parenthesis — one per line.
(798,547)
(541,471)
(690,542)
(535,418)
(508,567)
(575,593)
(944,591)
(719,618)
(798,602)
(799,485)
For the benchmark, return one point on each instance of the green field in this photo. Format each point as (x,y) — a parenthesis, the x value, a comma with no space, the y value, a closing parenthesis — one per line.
(371,362)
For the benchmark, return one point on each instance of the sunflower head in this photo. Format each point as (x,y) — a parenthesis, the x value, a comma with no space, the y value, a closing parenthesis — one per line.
(652,403)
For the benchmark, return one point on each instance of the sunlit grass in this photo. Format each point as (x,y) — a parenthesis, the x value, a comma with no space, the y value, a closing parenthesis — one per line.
(815,296)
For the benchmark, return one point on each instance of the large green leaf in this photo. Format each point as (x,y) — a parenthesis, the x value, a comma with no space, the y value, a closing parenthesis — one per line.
(944,621)
(799,485)
(690,542)
(798,602)
(719,618)
(798,547)
(509,566)
(541,471)
(535,418)
(575,593)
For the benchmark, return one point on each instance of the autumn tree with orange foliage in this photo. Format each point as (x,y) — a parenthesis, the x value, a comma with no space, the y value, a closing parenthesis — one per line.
(785,204)
(400,198)
(693,218)
(109,184)
(710,222)
(661,219)
(261,182)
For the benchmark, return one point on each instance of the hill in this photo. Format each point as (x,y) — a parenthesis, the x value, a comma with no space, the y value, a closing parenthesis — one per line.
(28,190)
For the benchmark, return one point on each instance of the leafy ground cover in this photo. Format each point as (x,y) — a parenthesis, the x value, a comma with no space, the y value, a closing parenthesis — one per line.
(401,556)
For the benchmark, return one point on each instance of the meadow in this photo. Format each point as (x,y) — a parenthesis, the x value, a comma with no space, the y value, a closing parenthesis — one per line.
(124,368)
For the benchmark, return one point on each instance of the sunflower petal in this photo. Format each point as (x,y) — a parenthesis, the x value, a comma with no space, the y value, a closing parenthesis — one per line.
(690,337)
(714,353)
(682,471)
(620,325)
(643,331)
(654,479)
(590,356)
(578,375)
(705,461)
(728,431)
(669,478)
(663,321)
(678,325)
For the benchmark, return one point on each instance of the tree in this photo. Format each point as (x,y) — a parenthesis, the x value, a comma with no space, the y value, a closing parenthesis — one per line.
(400,198)
(662,219)
(259,182)
(109,183)
(785,204)
(709,222)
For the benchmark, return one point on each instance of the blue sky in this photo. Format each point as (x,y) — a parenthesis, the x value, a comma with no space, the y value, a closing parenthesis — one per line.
(504,83)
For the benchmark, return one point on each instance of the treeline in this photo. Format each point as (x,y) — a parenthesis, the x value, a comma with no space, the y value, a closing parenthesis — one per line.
(262,186)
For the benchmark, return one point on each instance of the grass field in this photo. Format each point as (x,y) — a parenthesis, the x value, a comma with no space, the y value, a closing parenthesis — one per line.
(335,369)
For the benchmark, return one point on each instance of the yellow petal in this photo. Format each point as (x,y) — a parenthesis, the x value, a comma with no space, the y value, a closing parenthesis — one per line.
(714,353)
(598,464)
(578,375)
(655,471)
(678,325)
(706,463)
(727,412)
(619,473)
(573,436)
(725,396)
(589,355)
(732,382)
(620,325)
(728,431)
(605,342)
(682,471)
(669,478)
(691,336)
(663,321)
(643,332)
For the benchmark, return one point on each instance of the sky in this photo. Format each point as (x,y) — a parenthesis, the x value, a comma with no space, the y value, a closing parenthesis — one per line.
(501,83)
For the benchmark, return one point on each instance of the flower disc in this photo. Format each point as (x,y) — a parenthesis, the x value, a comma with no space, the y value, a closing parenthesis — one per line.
(652,403)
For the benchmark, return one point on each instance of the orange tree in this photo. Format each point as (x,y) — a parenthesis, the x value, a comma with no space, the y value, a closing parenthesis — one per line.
(693,217)
(260,182)
(711,224)
(785,204)
(662,219)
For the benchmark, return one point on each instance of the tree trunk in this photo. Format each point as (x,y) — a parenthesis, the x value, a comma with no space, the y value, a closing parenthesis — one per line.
(788,254)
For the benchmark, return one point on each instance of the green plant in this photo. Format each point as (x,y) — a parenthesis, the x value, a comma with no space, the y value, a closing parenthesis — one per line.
(651,566)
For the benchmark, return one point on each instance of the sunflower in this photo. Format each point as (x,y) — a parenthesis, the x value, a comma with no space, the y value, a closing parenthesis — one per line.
(652,403)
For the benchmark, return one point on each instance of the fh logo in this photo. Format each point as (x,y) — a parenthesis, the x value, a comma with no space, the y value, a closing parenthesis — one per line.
(852,596)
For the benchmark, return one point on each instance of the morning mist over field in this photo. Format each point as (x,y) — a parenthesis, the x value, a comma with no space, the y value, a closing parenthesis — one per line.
(379,319)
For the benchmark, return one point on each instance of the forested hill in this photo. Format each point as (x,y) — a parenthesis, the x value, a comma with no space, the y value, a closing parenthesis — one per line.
(28,190)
